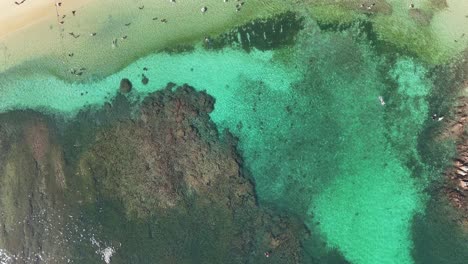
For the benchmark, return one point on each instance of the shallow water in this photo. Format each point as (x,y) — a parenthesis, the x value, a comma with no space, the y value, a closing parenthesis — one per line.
(314,138)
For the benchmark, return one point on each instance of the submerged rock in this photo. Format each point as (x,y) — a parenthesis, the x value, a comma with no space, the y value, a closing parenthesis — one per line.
(457,176)
(144,79)
(263,34)
(172,164)
(421,17)
(173,150)
(32,188)
(125,86)
(165,184)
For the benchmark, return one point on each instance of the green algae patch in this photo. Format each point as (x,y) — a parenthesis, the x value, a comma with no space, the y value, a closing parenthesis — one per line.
(419,40)
(262,34)
(419,31)
(333,14)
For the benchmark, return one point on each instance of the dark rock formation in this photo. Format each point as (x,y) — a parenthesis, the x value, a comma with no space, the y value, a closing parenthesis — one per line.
(457,176)
(171,152)
(125,86)
(172,163)
(32,185)
(144,79)
(455,130)
(263,34)
(164,184)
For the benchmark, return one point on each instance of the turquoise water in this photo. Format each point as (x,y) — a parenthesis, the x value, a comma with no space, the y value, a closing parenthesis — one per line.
(314,136)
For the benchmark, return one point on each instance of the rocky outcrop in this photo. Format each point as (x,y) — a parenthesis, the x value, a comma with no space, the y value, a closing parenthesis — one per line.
(162,184)
(169,154)
(32,184)
(456,130)
(457,175)
(125,86)
(171,162)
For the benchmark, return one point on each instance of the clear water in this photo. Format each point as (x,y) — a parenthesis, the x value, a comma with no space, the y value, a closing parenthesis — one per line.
(315,138)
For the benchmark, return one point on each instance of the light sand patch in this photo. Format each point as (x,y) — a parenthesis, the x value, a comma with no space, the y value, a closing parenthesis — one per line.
(32,31)
(145,32)
(15,17)
(451,24)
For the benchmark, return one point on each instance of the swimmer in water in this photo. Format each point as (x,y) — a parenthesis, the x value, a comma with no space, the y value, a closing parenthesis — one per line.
(382,102)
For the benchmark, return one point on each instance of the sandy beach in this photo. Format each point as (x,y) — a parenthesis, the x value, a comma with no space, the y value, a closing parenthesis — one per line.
(104,36)
(14,16)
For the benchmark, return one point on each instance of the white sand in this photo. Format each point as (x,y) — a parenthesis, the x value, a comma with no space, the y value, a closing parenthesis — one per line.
(15,17)
(41,36)
(32,31)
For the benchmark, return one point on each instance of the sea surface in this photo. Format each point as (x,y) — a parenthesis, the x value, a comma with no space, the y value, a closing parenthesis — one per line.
(334,129)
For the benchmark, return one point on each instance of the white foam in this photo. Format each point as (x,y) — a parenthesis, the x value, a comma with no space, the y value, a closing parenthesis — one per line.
(107,254)
(5,258)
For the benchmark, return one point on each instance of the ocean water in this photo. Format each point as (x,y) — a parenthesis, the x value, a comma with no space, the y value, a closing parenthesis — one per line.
(317,141)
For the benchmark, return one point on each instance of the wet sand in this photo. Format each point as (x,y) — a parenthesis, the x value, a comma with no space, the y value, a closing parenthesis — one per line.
(32,30)
(136,27)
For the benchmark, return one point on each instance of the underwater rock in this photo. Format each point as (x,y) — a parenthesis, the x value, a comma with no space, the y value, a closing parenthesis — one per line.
(171,151)
(263,34)
(144,80)
(456,188)
(421,17)
(125,86)
(32,186)
(171,163)
(439,4)
(166,182)
(370,7)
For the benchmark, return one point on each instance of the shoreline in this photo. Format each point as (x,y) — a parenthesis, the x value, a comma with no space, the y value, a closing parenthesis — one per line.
(455,181)
(13,20)
(105,42)
(159,25)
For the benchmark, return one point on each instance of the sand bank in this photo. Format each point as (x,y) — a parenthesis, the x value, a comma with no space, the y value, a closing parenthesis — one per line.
(33,32)
(135,27)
